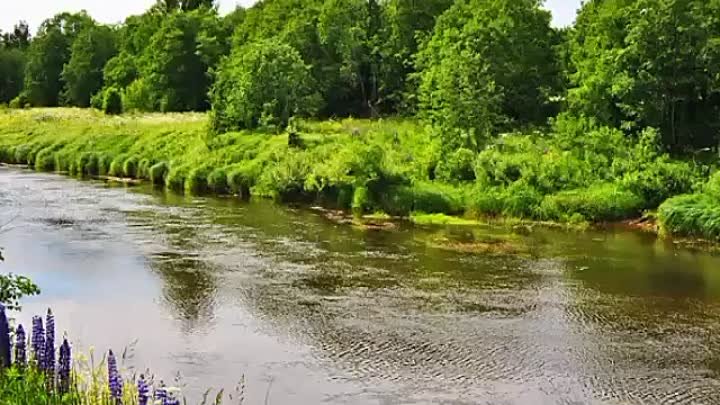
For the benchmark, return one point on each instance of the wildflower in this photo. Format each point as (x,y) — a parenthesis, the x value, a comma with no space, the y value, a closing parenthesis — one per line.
(115,382)
(161,395)
(50,343)
(173,396)
(20,347)
(64,364)
(143,391)
(4,339)
(38,342)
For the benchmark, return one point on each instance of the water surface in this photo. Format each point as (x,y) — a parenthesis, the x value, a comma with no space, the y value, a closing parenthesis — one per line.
(314,312)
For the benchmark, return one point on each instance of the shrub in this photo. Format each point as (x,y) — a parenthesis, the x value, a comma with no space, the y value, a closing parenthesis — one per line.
(217,181)
(457,166)
(360,200)
(45,160)
(104,162)
(197,181)
(158,172)
(175,179)
(602,202)
(261,81)
(87,164)
(696,215)
(21,154)
(431,198)
(242,178)
(112,101)
(130,167)
(659,180)
(20,101)
(143,168)
(96,101)
(137,96)
(117,166)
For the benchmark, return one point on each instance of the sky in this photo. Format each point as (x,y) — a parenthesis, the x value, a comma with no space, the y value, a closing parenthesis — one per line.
(114,11)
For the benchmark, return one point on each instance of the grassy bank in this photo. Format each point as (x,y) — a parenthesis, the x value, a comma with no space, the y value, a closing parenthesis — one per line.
(694,215)
(576,173)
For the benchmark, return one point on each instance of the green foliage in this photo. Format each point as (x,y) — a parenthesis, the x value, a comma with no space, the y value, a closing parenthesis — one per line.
(130,167)
(695,215)
(217,181)
(47,55)
(13,288)
(649,63)
(12,73)
(602,202)
(458,166)
(83,74)
(112,101)
(261,83)
(158,172)
(488,64)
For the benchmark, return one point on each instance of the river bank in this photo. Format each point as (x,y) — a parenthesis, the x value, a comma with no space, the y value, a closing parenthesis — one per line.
(576,175)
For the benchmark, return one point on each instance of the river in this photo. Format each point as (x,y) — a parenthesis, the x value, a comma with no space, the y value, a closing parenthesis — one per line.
(207,290)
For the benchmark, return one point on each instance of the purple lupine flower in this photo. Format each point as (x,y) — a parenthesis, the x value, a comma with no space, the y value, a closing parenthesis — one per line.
(4,339)
(64,364)
(115,382)
(50,344)
(20,347)
(161,394)
(143,391)
(38,342)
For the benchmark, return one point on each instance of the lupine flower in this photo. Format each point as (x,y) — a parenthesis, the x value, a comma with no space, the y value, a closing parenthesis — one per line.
(38,342)
(20,347)
(173,396)
(115,382)
(143,391)
(50,344)
(161,395)
(4,339)
(64,363)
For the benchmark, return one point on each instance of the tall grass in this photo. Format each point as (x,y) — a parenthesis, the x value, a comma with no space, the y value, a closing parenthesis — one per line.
(576,171)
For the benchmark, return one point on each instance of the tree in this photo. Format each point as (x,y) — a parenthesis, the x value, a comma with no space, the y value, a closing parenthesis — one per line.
(12,67)
(48,54)
(19,38)
(406,23)
(83,74)
(262,83)
(175,63)
(651,63)
(488,66)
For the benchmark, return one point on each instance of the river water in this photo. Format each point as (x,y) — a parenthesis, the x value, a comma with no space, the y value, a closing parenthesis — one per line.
(208,290)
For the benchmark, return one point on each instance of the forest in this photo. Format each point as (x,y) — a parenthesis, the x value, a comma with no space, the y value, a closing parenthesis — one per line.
(475,108)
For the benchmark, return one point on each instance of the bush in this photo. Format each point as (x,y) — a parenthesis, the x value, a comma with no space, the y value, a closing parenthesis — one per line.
(112,101)
(659,180)
(97,100)
(45,160)
(197,181)
(137,96)
(457,166)
(130,167)
(175,179)
(360,200)
(117,166)
(430,198)
(87,164)
(695,215)
(217,181)
(158,172)
(602,202)
(104,162)
(242,178)
(143,169)
(262,83)
(20,101)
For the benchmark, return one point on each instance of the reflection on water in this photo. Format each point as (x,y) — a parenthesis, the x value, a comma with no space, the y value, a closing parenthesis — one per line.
(328,313)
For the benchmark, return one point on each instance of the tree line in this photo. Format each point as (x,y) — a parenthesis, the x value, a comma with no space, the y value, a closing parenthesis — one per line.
(470,68)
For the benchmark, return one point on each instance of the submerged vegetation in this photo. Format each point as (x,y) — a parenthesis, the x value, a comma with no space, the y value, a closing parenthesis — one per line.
(472,108)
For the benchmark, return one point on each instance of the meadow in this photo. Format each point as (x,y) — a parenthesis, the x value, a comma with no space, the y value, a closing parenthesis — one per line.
(573,172)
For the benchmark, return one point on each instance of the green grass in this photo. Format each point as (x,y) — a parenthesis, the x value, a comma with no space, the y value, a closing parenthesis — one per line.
(395,166)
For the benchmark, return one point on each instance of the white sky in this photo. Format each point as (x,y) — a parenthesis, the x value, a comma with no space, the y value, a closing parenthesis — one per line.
(113,11)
